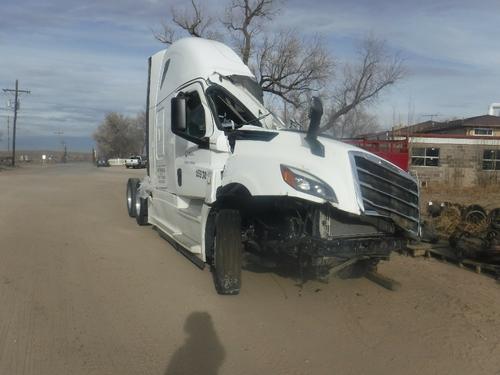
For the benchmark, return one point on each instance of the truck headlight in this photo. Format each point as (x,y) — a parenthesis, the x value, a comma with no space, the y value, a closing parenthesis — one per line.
(307,183)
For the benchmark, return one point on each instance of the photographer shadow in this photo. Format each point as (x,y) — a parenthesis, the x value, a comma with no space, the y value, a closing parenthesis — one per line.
(202,352)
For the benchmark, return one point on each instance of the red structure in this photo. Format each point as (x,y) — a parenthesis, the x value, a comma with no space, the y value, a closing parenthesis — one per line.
(395,151)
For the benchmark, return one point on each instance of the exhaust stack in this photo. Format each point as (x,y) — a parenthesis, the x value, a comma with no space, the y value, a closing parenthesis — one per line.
(315,113)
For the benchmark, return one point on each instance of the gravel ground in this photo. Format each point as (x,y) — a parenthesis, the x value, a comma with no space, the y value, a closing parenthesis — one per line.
(84,290)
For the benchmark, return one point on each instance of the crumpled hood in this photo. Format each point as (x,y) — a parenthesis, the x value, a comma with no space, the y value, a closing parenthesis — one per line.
(256,164)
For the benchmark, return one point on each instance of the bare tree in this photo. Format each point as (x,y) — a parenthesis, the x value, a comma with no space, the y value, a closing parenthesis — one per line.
(290,67)
(195,22)
(356,122)
(363,82)
(244,20)
(138,130)
(167,35)
(119,135)
(285,64)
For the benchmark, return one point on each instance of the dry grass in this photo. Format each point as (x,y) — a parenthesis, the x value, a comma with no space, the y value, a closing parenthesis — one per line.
(488,196)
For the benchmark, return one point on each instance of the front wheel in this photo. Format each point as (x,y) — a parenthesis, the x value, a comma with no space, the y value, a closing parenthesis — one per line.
(228,252)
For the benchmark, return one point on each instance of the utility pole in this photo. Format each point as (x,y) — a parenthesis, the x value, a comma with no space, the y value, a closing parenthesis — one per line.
(16,92)
(64,157)
(8,133)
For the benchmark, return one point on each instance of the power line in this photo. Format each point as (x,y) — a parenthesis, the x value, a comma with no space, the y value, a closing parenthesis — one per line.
(16,92)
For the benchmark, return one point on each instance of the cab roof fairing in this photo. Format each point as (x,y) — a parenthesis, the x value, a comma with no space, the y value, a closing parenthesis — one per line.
(195,58)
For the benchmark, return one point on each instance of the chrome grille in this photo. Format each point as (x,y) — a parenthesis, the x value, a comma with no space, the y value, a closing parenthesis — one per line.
(387,191)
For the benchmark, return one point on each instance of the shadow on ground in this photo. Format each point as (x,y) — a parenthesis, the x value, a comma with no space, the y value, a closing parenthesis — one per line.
(202,352)
(282,266)
(289,268)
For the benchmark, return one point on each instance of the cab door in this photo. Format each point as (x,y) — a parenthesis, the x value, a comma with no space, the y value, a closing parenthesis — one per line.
(192,154)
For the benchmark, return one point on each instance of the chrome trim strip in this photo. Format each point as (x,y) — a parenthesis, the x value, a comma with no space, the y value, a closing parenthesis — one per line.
(388,195)
(354,170)
(388,181)
(411,218)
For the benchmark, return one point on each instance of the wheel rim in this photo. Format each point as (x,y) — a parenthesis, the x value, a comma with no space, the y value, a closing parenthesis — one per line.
(129,198)
(137,204)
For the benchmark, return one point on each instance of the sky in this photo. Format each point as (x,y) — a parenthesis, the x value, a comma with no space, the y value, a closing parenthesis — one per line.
(83,59)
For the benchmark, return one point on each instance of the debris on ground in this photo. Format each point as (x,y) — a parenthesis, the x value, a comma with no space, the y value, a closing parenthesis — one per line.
(471,231)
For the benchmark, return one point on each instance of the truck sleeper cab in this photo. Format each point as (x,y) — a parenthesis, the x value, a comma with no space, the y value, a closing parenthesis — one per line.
(225,175)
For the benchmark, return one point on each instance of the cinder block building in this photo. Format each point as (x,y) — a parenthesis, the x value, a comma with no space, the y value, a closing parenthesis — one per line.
(461,153)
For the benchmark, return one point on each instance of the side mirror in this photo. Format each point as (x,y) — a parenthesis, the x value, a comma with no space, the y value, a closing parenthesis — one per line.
(178,114)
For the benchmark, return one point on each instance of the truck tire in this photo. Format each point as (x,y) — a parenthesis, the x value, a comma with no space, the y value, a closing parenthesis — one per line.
(141,207)
(494,218)
(131,192)
(228,252)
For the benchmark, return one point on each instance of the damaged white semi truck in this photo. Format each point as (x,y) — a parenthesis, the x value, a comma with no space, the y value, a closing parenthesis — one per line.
(226,176)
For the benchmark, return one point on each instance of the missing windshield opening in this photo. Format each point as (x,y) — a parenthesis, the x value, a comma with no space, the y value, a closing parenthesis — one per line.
(226,109)
(250,85)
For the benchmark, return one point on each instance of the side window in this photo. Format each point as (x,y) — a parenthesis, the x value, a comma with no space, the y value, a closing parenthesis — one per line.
(195,116)
(483,131)
(425,156)
(491,160)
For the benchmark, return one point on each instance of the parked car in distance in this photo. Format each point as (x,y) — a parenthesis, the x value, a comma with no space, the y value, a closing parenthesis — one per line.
(136,161)
(102,162)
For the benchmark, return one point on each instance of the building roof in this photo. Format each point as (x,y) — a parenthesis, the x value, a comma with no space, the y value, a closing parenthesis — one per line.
(430,127)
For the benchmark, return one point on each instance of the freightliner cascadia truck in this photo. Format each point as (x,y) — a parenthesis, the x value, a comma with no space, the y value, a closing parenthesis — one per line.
(225,176)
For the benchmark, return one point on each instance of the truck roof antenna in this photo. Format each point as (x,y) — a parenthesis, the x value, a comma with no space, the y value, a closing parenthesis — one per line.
(315,113)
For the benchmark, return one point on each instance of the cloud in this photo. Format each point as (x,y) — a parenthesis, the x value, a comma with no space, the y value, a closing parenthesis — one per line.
(449,48)
(456,31)
(84,59)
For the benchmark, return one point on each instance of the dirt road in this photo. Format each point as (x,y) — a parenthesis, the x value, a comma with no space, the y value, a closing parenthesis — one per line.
(84,290)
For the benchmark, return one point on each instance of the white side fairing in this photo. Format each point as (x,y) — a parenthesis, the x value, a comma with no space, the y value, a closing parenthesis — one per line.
(155,70)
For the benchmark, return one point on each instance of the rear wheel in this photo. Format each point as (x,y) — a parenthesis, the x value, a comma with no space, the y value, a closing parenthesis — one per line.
(228,252)
(141,207)
(131,193)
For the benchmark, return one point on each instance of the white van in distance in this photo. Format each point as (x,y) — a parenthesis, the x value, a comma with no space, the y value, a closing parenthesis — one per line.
(226,176)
